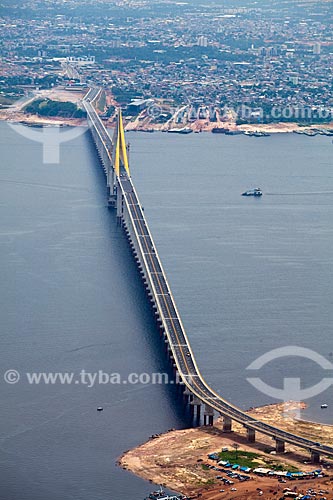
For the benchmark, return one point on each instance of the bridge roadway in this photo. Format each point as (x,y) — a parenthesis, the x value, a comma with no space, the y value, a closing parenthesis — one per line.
(172,324)
(89,98)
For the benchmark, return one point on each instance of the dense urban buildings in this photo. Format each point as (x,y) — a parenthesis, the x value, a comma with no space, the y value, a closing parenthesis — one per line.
(254,61)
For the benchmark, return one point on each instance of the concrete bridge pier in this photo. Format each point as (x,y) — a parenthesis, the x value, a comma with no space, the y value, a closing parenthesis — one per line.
(112,198)
(279,446)
(125,215)
(166,344)
(208,415)
(171,359)
(119,205)
(198,412)
(227,424)
(169,352)
(179,385)
(315,457)
(197,404)
(187,395)
(191,406)
(167,348)
(251,434)
(175,374)
(110,178)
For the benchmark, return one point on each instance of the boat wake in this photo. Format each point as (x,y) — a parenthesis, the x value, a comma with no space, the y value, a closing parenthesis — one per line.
(56,187)
(299,193)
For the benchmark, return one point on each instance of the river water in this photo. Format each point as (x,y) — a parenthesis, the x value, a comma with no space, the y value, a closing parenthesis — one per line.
(248,275)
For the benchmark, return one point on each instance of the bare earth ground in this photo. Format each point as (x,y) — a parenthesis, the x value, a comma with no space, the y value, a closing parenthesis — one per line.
(206,126)
(172,458)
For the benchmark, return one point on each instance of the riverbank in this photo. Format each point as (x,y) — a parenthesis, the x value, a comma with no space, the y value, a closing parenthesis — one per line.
(176,459)
(16,115)
(144,122)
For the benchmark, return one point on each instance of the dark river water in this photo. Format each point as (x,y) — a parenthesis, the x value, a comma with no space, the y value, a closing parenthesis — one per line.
(249,275)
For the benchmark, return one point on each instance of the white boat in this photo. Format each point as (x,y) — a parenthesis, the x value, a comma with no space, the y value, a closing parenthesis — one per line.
(184,130)
(253,192)
(161,495)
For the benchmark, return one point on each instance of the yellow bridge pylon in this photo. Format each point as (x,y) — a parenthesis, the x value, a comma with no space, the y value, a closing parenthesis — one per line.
(120,152)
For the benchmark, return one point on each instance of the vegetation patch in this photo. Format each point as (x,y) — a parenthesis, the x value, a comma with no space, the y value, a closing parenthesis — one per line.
(7,101)
(240,457)
(253,460)
(279,467)
(47,107)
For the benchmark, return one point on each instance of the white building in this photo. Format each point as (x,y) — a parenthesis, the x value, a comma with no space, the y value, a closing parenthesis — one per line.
(316,49)
(202,41)
(81,61)
(294,80)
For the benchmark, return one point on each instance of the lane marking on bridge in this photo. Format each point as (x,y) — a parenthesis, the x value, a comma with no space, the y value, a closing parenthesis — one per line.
(165,302)
(203,389)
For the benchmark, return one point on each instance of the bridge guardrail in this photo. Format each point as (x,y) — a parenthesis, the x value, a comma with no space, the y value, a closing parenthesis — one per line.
(212,398)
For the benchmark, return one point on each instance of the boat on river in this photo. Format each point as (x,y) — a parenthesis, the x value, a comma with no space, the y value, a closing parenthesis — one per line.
(253,192)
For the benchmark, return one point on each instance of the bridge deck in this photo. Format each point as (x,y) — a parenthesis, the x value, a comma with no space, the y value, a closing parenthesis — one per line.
(176,335)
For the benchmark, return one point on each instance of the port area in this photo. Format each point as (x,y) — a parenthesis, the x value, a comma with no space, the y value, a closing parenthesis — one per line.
(179,460)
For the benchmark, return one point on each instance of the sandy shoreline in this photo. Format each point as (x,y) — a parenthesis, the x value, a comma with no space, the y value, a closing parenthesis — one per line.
(175,458)
(202,126)
(31,120)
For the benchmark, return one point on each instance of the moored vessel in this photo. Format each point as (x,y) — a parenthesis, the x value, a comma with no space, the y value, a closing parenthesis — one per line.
(184,130)
(162,495)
